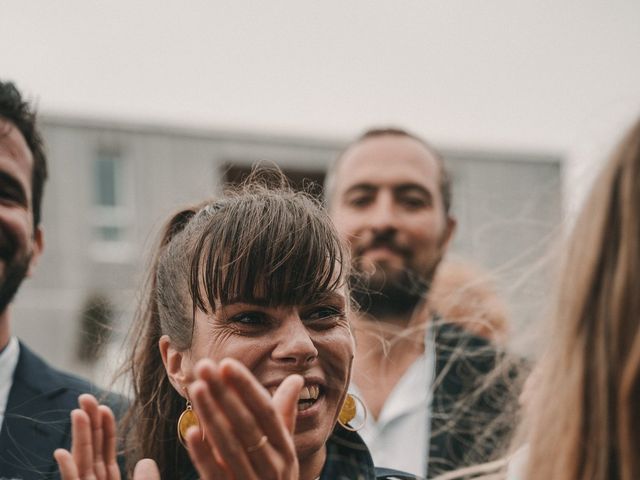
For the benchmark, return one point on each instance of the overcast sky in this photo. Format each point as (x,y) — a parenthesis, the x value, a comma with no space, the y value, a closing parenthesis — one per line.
(553,76)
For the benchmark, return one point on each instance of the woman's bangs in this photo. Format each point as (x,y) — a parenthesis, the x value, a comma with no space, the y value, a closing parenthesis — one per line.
(273,252)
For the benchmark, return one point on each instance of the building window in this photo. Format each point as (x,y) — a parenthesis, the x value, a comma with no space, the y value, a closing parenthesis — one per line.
(307,180)
(112,209)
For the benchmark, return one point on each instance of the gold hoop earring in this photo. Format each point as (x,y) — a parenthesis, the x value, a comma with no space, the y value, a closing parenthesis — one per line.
(187,419)
(348,412)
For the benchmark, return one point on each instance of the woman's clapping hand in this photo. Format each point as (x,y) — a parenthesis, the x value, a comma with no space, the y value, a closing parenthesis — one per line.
(93,446)
(248,434)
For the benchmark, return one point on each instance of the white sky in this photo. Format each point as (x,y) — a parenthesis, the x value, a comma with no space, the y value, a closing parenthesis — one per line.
(554,76)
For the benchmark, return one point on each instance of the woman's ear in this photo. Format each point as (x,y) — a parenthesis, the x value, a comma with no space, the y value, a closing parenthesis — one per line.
(176,363)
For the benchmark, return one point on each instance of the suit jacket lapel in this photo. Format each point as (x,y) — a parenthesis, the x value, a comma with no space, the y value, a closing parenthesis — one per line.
(34,424)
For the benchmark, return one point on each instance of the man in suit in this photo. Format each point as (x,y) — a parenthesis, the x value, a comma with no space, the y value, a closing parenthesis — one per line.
(421,379)
(35,399)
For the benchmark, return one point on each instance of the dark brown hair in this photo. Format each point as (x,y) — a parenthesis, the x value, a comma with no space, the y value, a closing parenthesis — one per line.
(445,177)
(257,243)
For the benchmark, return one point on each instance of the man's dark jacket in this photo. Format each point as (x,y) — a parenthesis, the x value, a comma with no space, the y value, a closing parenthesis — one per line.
(474,400)
(36,420)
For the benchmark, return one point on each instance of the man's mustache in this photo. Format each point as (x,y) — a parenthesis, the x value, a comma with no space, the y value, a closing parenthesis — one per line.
(382,242)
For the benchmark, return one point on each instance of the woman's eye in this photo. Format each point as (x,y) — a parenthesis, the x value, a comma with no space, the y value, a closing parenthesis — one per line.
(249,318)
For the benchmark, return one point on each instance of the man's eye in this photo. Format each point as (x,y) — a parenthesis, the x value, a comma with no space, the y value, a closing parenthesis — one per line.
(359,201)
(415,202)
(250,319)
(323,313)
(8,196)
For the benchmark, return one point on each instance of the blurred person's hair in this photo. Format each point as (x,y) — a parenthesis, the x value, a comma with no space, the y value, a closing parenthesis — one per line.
(15,110)
(582,421)
(444,181)
(255,243)
(586,418)
(464,294)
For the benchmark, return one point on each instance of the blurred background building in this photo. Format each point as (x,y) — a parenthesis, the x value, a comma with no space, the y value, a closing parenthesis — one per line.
(113,183)
(149,105)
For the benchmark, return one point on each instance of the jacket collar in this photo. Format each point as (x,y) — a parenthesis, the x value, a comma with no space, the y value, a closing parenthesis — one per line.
(35,420)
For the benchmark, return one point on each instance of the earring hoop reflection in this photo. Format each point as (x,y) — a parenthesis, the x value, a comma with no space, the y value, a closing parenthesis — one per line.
(348,413)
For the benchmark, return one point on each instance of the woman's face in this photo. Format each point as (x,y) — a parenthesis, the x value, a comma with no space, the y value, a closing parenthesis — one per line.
(313,340)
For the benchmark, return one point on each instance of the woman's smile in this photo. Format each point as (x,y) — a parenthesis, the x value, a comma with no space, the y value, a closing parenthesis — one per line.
(312,340)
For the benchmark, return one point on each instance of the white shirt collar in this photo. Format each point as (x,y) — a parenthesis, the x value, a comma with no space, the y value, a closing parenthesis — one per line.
(400,436)
(8,361)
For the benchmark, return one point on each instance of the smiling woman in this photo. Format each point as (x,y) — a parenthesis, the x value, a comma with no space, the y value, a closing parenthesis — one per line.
(245,314)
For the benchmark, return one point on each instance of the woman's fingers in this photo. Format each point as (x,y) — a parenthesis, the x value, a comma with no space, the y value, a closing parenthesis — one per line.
(261,405)
(90,406)
(219,431)
(101,444)
(244,423)
(208,466)
(81,442)
(109,442)
(66,464)
(146,469)
(93,443)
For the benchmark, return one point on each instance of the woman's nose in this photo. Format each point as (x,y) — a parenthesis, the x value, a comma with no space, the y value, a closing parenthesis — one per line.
(295,345)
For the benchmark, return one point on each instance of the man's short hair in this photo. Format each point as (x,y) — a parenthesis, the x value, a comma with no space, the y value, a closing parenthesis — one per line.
(445,179)
(14,109)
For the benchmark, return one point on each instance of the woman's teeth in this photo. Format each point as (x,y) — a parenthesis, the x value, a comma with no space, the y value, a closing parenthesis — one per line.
(309,392)
(308,396)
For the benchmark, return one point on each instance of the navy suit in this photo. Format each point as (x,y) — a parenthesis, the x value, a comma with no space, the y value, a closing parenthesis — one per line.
(36,420)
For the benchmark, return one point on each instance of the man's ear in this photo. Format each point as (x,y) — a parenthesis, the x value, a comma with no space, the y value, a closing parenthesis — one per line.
(177,364)
(450,229)
(38,247)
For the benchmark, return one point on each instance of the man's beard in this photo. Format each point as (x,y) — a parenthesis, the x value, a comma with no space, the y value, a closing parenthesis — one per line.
(15,272)
(394,293)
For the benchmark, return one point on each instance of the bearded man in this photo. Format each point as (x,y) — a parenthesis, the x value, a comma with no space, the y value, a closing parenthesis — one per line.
(423,381)
(35,399)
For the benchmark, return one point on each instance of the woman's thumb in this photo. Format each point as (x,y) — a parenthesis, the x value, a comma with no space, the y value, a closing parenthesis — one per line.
(146,469)
(286,399)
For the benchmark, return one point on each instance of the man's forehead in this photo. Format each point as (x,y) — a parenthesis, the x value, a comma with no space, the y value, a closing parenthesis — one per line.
(388,160)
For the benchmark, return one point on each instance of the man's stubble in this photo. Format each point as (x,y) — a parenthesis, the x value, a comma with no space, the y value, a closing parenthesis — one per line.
(15,271)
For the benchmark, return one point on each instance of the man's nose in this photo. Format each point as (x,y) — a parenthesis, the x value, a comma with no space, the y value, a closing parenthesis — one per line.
(383,216)
(295,346)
